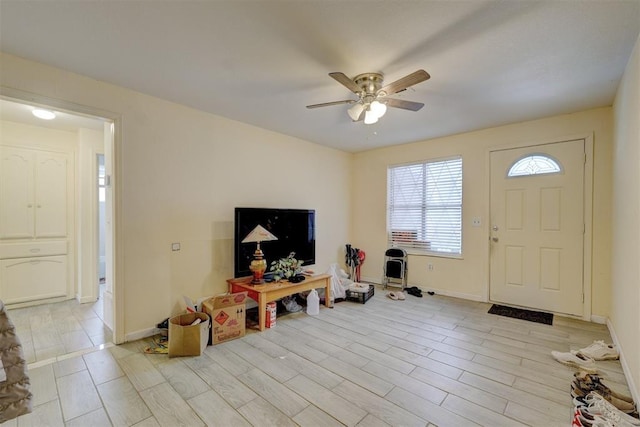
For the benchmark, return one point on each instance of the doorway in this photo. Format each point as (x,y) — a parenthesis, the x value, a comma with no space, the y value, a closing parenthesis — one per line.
(101,267)
(101,179)
(537,236)
(94,152)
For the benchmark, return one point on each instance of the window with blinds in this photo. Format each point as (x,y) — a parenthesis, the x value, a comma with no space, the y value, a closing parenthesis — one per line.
(425,206)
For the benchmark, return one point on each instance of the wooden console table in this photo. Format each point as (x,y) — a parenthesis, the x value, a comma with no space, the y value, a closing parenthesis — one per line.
(268,292)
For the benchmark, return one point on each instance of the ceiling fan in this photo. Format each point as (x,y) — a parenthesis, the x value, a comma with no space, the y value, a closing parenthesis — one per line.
(373,98)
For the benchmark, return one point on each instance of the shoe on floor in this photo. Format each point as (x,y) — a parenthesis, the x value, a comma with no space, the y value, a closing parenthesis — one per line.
(597,404)
(599,350)
(392,295)
(621,405)
(401,296)
(575,360)
(583,418)
(593,382)
(415,291)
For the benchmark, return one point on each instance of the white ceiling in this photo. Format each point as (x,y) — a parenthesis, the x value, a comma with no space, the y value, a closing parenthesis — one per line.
(262,62)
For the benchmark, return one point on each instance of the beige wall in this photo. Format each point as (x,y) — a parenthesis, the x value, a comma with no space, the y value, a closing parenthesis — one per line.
(22,135)
(182,173)
(625,314)
(468,277)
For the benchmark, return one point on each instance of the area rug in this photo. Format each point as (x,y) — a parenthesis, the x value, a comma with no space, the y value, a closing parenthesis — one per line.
(519,313)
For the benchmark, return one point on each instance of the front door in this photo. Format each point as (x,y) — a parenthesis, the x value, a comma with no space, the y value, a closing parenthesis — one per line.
(537,227)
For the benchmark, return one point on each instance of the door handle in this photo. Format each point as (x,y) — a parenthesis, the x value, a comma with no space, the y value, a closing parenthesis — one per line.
(495,239)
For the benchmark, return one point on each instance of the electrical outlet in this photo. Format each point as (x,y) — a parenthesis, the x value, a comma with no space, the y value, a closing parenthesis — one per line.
(175,247)
(430,267)
(476,221)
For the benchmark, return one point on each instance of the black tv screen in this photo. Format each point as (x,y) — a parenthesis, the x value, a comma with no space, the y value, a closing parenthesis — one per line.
(294,228)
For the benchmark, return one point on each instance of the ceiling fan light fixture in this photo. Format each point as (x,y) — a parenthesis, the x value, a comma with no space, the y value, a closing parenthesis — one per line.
(372,95)
(378,108)
(355,111)
(370,117)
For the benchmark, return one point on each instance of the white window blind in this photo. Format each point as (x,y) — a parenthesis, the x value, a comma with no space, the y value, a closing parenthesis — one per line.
(425,206)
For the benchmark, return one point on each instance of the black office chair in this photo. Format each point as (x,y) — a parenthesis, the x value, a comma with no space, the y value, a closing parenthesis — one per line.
(395,267)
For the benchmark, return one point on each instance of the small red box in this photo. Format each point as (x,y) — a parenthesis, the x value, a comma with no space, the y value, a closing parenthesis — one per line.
(270,315)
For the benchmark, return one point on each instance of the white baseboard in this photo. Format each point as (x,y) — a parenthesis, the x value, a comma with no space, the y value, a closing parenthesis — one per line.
(84,300)
(635,393)
(444,292)
(454,294)
(599,319)
(144,333)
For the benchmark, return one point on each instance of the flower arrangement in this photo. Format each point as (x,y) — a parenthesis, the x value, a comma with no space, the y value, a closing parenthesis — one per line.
(285,268)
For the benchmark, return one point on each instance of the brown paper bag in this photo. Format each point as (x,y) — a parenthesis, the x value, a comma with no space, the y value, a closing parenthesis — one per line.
(187,340)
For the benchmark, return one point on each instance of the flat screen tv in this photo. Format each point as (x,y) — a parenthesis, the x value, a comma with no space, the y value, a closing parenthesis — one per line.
(294,228)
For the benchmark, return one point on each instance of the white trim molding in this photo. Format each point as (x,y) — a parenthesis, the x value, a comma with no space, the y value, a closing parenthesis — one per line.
(623,362)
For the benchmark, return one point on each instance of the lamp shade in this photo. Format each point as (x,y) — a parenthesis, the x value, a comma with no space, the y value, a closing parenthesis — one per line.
(259,234)
(370,117)
(355,111)
(378,108)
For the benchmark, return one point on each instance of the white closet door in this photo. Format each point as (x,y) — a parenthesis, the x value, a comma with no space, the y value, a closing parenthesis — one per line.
(16,194)
(51,194)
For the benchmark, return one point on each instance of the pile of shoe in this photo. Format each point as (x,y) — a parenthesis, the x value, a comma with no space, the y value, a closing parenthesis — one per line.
(415,291)
(596,405)
(585,358)
(594,410)
(585,383)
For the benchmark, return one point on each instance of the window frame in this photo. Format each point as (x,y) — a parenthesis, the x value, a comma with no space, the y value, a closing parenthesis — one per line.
(548,157)
(419,247)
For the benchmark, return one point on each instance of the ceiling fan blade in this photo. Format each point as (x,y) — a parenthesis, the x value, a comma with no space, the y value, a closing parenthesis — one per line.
(410,80)
(405,105)
(346,82)
(327,104)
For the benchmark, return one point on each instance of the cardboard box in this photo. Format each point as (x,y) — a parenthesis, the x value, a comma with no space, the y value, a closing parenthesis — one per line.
(186,339)
(270,315)
(228,316)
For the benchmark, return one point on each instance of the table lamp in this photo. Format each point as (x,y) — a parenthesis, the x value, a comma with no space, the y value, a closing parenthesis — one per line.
(259,265)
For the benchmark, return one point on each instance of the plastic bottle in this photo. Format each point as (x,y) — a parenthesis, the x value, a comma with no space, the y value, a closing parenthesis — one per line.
(313,303)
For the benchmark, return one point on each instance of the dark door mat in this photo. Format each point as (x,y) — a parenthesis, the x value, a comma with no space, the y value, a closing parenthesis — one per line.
(519,313)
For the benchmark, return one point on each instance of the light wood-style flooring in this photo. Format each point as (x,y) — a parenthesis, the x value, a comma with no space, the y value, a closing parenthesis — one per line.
(51,330)
(420,362)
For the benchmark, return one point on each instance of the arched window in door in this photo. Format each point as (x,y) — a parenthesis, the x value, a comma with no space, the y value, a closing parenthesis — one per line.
(534,164)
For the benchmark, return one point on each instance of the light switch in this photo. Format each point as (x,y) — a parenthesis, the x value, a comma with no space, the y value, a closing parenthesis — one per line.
(175,247)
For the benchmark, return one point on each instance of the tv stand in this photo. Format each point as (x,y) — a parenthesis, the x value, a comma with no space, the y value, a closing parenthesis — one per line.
(267,292)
